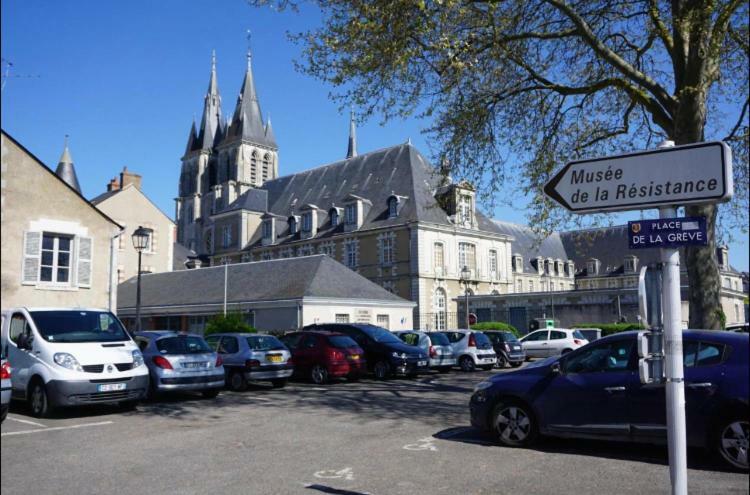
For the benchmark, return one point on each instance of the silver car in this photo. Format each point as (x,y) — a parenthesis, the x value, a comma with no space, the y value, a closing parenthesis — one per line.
(249,356)
(472,349)
(180,362)
(434,344)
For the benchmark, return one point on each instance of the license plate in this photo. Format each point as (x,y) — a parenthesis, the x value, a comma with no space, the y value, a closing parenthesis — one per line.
(275,358)
(194,365)
(111,387)
(422,363)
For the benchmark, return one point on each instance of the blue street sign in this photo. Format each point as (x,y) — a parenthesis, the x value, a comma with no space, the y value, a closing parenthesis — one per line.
(667,232)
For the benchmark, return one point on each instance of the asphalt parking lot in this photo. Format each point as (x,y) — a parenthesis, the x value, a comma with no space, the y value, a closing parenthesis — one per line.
(396,437)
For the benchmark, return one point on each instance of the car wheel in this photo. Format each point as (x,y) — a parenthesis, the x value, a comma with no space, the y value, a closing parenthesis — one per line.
(237,381)
(467,364)
(514,424)
(279,383)
(381,370)
(732,441)
(39,400)
(565,351)
(501,361)
(319,374)
(211,393)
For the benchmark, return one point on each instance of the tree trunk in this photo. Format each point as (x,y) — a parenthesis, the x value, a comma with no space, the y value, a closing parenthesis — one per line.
(704,281)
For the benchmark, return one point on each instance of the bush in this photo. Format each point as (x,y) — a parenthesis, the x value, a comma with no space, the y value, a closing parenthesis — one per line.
(610,328)
(229,323)
(496,325)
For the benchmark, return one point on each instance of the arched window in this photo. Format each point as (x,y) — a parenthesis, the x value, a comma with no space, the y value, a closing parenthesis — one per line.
(266,162)
(439,309)
(253,166)
(292,225)
(335,217)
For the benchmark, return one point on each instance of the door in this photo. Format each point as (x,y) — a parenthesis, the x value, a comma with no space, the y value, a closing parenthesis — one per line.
(21,360)
(589,397)
(229,349)
(536,343)
(306,353)
(558,342)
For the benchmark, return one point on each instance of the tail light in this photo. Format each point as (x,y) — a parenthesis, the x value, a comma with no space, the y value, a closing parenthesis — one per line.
(433,352)
(162,362)
(577,342)
(252,363)
(335,355)
(219,361)
(472,340)
(5,371)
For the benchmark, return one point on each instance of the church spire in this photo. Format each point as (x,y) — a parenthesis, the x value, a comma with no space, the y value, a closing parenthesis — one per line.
(65,169)
(211,119)
(351,152)
(247,121)
(270,137)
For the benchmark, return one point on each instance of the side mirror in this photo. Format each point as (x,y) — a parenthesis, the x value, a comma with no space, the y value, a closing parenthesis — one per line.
(556,368)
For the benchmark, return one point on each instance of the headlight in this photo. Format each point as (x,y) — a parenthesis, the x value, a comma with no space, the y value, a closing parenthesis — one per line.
(67,361)
(137,358)
(400,355)
(482,386)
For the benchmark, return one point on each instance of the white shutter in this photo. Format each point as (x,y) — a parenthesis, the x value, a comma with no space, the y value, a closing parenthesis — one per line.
(85,251)
(32,249)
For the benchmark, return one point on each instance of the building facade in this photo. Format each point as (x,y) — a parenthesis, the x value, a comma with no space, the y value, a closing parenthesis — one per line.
(56,249)
(125,202)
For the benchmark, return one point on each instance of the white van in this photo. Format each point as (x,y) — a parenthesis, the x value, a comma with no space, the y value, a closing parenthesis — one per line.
(70,357)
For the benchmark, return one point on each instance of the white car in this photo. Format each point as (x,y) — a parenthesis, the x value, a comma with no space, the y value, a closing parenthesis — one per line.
(69,357)
(552,342)
(472,349)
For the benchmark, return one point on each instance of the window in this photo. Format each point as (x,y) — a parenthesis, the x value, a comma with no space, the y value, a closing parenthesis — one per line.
(226,236)
(556,335)
(464,210)
(253,165)
(351,253)
(18,325)
(268,229)
(55,261)
(727,283)
(531,286)
(466,256)
(518,264)
(392,207)
(292,225)
(334,217)
(537,336)
(702,353)
(327,249)
(229,345)
(383,321)
(342,318)
(307,222)
(519,286)
(493,263)
(601,358)
(350,214)
(439,257)
(386,250)
(266,161)
(440,316)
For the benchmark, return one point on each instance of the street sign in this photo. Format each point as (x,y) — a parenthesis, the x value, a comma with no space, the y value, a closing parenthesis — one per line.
(667,232)
(679,175)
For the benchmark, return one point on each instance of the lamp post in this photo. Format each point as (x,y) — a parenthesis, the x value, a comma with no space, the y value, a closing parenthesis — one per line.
(465,276)
(141,237)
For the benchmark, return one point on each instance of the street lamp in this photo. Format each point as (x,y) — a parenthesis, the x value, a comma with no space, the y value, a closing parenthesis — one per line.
(465,276)
(141,237)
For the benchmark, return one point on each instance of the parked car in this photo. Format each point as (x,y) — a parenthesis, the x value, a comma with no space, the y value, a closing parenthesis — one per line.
(591,334)
(434,344)
(386,354)
(321,356)
(249,356)
(69,357)
(552,342)
(180,362)
(546,397)
(472,349)
(507,347)
(739,327)
(5,373)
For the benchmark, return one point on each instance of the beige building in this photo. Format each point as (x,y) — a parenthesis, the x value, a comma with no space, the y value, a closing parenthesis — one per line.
(56,248)
(125,202)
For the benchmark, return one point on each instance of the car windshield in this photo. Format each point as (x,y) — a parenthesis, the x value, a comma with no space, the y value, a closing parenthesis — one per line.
(79,326)
(182,344)
(579,335)
(482,339)
(380,335)
(438,339)
(265,343)
(341,341)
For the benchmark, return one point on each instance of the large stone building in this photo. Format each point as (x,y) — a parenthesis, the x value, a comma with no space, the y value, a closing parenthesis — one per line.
(387,214)
(125,202)
(56,248)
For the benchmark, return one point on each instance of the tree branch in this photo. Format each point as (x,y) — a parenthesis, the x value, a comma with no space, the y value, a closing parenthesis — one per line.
(660,27)
(739,121)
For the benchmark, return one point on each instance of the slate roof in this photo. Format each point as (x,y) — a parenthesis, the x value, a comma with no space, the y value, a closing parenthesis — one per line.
(181,255)
(530,245)
(66,170)
(252,199)
(247,121)
(316,276)
(374,176)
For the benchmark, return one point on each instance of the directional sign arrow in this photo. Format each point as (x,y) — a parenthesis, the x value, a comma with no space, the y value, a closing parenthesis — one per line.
(694,173)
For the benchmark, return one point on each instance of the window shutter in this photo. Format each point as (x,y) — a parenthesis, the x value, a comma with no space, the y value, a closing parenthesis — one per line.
(85,247)
(32,248)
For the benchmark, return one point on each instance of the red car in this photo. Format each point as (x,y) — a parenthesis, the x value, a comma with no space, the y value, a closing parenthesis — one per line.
(324,355)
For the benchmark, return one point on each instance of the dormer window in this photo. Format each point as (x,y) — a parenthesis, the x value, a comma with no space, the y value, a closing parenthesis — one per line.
(307,222)
(518,263)
(539,265)
(351,214)
(393,207)
(292,225)
(571,269)
(592,266)
(631,264)
(268,229)
(465,210)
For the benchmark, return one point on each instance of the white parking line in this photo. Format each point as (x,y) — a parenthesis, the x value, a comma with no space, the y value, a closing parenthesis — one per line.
(55,428)
(26,421)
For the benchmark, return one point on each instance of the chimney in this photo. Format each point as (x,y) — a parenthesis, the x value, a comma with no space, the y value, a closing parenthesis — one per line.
(114,185)
(129,178)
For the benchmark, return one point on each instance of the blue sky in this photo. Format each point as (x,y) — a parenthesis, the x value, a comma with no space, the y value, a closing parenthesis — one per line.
(124,80)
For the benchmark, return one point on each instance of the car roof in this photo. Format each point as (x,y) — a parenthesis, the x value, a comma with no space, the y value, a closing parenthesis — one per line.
(324,333)
(156,333)
(240,334)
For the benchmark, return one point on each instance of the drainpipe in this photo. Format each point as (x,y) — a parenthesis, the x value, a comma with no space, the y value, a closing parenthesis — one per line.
(113,272)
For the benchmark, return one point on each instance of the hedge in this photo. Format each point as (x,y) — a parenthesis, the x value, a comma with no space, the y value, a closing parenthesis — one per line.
(496,325)
(229,323)
(610,328)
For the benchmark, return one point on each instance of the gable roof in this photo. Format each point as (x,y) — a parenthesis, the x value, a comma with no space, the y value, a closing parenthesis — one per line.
(49,170)
(530,245)
(317,276)
(109,194)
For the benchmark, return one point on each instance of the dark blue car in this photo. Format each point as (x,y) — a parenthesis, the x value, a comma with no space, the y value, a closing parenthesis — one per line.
(595,392)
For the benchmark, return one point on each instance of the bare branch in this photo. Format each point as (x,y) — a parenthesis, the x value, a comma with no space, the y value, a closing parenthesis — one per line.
(740,120)
(660,27)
